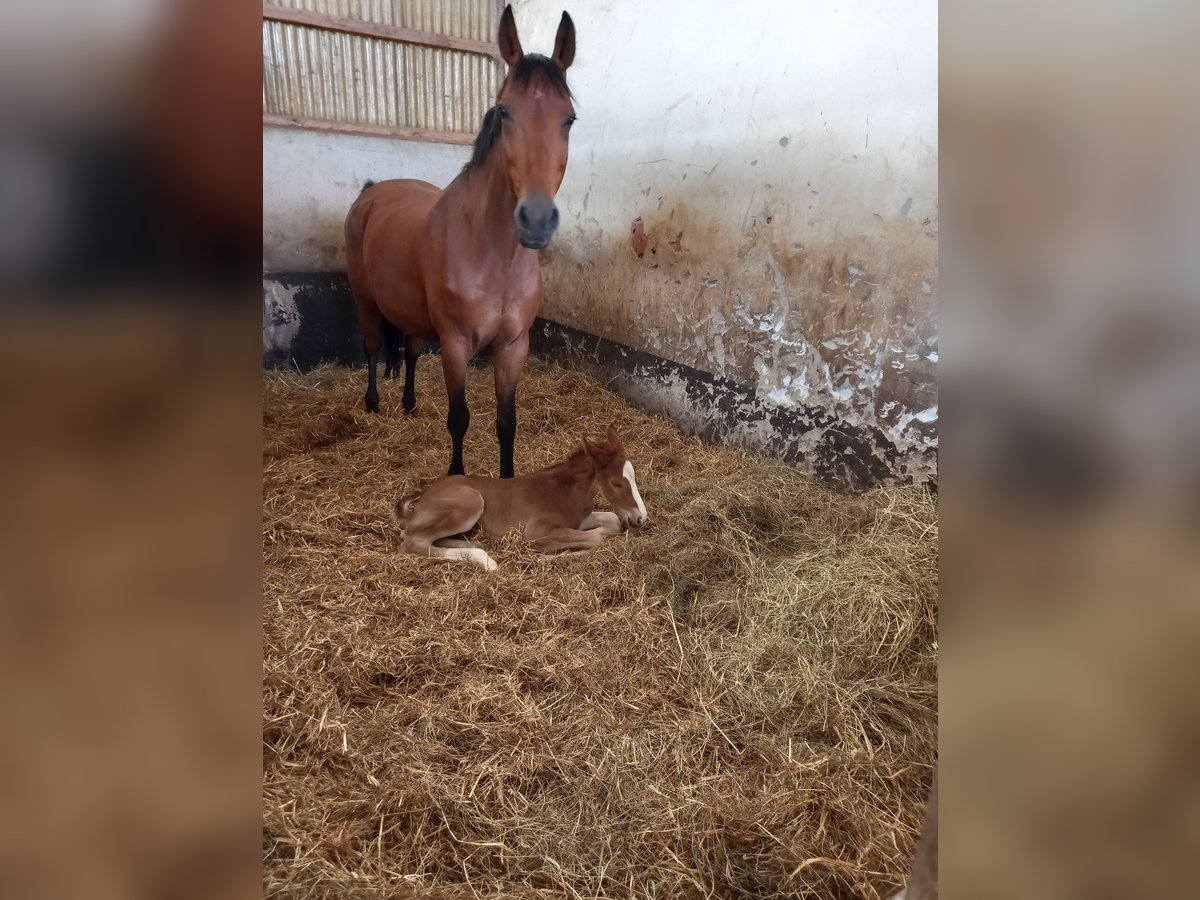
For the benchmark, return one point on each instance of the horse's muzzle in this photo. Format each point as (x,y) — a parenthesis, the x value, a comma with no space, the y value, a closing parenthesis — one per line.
(537,220)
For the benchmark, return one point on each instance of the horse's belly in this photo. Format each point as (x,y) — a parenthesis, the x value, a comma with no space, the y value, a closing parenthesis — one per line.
(393,258)
(410,314)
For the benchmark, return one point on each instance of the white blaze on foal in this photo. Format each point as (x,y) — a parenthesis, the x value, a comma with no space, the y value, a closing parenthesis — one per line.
(637,496)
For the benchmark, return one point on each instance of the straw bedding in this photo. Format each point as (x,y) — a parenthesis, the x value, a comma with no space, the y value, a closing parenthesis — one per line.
(737,700)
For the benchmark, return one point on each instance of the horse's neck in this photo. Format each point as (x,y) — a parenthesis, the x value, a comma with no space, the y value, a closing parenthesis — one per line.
(489,203)
(574,480)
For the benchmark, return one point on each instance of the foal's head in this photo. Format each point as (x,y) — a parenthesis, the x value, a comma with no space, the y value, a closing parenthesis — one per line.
(615,478)
(533,117)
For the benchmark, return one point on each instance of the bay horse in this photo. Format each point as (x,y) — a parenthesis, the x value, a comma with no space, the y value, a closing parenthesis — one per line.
(460,265)
(553,507)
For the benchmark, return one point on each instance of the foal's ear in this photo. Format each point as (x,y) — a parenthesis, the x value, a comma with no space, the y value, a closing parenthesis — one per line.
(614,439)
(564,42)
(510,44)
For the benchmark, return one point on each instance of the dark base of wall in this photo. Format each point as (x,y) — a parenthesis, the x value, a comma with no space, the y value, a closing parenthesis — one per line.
(311,320)
(318,325)
(723,411)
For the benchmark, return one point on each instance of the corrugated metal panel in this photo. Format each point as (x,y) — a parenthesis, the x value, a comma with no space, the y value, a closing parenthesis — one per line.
(312,73)
(474,19)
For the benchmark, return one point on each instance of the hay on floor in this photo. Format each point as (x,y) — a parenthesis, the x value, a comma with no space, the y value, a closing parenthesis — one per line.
(737,700)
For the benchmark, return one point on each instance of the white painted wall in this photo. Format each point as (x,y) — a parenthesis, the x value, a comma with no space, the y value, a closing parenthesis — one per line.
(310,179)
(782,160)
(681,86)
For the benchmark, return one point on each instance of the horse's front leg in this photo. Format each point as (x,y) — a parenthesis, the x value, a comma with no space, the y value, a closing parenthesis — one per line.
(508,360)
(455,356)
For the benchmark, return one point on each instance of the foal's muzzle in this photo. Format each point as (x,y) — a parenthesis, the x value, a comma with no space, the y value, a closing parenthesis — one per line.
(537,219)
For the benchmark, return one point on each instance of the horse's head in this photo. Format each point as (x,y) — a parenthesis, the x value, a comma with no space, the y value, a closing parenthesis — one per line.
(616,479)
(535,113)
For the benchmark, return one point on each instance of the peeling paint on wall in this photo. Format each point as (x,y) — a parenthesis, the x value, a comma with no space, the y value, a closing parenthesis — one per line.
(309,319)
(281,319)
(849,457)
(845,328)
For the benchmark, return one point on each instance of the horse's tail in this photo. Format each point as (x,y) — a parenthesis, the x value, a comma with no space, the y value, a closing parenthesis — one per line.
(367,184)
(405,507)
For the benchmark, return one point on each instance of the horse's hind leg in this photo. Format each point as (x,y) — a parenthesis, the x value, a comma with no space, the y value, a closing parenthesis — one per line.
(371,320)
(391,349)
(412,352)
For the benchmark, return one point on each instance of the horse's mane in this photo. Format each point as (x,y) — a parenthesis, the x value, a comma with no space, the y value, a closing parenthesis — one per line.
(484,141)
(533,66)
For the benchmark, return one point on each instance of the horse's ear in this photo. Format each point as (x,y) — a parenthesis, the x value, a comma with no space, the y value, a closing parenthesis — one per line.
(564,43)
(614,439)
(510,44)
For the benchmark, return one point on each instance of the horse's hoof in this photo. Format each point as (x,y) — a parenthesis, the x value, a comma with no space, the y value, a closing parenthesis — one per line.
(371,405)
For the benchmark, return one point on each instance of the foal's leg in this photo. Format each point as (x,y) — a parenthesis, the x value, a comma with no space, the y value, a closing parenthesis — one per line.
(452,511)
(507,361)
(561,538)
(435,550)
(412,352)
(605,522)
(455,356)
(371,320)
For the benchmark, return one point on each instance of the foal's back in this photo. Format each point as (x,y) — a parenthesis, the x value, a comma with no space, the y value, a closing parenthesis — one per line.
(510,502)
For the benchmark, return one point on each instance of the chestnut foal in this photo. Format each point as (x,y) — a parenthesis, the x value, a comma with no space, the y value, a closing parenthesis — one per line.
(553,507)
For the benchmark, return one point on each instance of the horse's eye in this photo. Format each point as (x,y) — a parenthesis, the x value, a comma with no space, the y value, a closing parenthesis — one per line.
(503,111)
(570,121)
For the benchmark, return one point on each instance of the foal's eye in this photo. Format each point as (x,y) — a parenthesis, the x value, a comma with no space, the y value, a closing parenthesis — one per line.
(502,111)
(569,122)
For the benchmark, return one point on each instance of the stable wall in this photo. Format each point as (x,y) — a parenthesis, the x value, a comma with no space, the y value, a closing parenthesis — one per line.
(752,193)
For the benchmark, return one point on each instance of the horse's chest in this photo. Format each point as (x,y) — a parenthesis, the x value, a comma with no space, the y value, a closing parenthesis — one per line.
(499,289)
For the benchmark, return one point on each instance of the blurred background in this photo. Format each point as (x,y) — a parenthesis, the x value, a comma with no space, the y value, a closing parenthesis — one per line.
(130,351)
(130,308)
(1070,463)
